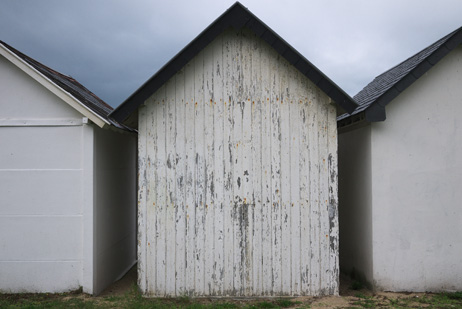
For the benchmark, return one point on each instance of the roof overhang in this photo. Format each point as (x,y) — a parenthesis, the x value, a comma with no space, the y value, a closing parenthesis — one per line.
(237,17)
(375,110)
(55,89)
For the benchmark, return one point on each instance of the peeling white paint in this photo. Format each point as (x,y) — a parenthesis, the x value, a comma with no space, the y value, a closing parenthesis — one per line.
(238,178)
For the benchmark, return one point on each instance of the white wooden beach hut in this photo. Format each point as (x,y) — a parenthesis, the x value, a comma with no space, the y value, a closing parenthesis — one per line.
(237,167)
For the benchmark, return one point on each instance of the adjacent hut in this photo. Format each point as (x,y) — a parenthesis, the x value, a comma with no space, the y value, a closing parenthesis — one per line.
(400,170)
(237,167)
(68,183)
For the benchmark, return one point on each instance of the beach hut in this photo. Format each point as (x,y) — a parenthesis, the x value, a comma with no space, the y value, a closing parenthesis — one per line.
(400,174)
(237,167)
(67,183)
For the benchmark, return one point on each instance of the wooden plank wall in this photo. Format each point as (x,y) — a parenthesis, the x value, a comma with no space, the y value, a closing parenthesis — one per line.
(238,178)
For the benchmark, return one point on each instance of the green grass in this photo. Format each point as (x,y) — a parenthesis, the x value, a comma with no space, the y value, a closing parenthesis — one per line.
(32,301)
(134,299)
(287,303)
(131,299)
(365,301)
(440,300)
(443,300)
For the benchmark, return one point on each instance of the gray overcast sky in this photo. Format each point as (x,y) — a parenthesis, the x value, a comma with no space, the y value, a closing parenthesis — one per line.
(112,47)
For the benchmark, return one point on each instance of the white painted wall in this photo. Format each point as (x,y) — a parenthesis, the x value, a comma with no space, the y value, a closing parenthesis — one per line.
(40,192)
(238,178)
(416,159)
(67,193)
(417,204)
(24,98)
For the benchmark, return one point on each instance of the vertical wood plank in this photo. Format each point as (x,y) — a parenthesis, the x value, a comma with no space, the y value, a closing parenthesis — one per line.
(151,193)
(142,192)
(238,112)
(219,149)
(314,193)
(285,177)
(170,224)
(276,172)
(180,158)
(190,179)
(161,191)
(209,170)
(323,193)
(256,218)
(247,192)
(295,224)
(266,150)
(199,171)
(305,181)
(228,284)
(333,201)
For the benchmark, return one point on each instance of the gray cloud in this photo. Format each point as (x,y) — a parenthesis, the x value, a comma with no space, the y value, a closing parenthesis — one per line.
(113,47)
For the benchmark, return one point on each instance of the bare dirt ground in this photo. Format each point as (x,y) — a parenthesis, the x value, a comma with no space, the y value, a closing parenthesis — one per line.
(124,294)
(122,286)
(348,298)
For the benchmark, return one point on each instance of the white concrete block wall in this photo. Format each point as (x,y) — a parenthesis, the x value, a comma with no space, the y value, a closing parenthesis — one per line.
(415,164)
(417,172)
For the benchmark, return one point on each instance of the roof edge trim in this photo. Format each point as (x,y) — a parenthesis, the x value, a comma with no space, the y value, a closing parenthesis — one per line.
(237,17)
(52,87)
(375,113)
(376,110)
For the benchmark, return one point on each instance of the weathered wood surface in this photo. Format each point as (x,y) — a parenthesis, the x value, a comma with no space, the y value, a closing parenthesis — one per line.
(238,178)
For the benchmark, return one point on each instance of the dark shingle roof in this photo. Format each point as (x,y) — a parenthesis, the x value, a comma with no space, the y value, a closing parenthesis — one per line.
(237,17)
(384,88)
(68,84)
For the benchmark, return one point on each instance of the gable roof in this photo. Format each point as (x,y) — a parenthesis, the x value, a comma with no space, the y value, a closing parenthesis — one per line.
(237,17)
(65,87)
(373,98)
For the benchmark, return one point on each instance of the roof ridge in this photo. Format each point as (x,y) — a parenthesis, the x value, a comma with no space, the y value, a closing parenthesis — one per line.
(237,17)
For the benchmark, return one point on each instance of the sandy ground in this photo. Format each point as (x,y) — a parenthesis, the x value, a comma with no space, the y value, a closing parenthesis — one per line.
(345,300)
(122,286)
